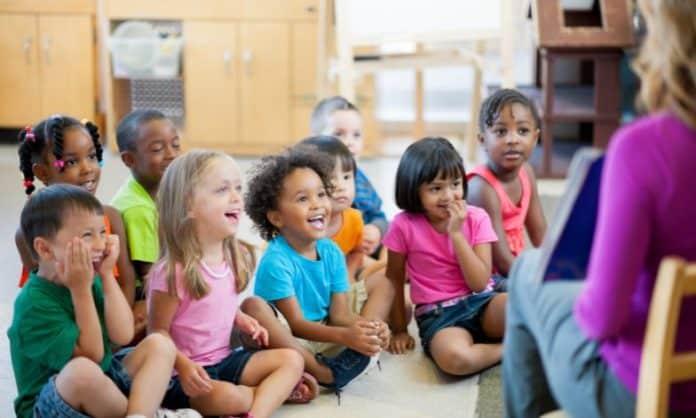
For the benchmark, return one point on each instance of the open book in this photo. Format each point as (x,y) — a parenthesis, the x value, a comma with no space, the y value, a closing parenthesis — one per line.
(565,251)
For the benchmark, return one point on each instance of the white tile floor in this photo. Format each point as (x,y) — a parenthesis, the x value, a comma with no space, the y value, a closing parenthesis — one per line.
(407,386)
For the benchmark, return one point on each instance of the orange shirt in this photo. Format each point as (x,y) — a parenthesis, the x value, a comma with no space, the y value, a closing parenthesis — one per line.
(349,236)
(25,274)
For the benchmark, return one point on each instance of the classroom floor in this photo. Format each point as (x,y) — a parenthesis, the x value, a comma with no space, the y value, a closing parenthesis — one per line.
(407,386)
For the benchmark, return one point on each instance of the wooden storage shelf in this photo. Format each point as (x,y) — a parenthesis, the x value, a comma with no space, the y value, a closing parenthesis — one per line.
(249,70)
(597,104)
(571,103)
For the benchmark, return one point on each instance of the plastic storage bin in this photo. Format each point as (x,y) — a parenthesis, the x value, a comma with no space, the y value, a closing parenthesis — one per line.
(138,51)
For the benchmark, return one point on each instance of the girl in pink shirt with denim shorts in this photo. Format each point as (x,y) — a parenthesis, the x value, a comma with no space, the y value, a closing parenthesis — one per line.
(193,291)
(444,246)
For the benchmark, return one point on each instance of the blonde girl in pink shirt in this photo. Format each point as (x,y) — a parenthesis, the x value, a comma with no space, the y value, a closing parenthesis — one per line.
(193,292)
(444,246)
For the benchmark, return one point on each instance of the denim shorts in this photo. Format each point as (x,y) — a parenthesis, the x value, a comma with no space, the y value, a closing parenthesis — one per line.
(467,314)
(229,369)
(50,404)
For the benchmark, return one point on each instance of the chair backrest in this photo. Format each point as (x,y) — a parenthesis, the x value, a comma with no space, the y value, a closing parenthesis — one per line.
(660,365)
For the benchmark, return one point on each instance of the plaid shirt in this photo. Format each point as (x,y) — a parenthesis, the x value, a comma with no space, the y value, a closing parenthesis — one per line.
(368,202)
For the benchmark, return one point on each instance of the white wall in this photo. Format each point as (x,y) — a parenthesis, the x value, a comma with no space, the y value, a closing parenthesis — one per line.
(447,90)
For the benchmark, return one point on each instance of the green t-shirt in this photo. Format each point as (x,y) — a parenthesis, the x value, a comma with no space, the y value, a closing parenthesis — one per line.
(139,214)
(43,335)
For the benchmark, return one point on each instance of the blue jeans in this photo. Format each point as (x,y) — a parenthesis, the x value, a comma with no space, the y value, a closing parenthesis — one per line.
(548,363)
(467,314)
(50,404)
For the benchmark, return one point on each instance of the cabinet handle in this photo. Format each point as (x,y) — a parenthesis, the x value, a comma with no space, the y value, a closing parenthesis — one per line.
(26,45)
(310,9)
(47,50)
(248,59)
(227,58)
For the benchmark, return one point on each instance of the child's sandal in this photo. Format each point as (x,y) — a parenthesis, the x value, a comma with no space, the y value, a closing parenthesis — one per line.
(298,395)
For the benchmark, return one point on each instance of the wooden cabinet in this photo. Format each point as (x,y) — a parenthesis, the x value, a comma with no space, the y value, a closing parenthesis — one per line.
(304,77)
(249,71)
(237,94)
(19,73)
(211,89)
(67,66)
(265,86)
(48,67)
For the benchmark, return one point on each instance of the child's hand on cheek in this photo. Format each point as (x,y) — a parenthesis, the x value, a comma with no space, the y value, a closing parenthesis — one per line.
(75,271)
(110,256)
(457,212)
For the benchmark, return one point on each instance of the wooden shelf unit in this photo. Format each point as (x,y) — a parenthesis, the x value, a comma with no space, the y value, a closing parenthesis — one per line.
(249,70)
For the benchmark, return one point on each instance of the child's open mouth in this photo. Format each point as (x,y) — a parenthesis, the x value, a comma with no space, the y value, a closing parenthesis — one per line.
(89,185)
(317,222)
(232,216)
(96,263)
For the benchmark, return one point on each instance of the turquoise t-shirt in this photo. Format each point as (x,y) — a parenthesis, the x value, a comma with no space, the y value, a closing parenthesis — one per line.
(139,214)
(43,335)
(282,273)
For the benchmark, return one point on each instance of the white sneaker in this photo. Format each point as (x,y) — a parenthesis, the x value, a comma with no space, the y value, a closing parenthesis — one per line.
(179,413)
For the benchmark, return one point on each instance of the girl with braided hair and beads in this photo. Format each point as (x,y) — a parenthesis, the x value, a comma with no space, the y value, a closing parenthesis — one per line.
(62,149)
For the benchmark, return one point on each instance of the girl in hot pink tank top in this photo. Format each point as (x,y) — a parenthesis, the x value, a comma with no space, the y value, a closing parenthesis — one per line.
(505,186)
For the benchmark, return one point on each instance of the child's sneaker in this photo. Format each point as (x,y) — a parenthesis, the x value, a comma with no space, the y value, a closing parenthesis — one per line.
(179,413)
(347,366)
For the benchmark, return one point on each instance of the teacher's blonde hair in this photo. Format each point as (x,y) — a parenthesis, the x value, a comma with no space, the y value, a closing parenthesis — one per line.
(667,60)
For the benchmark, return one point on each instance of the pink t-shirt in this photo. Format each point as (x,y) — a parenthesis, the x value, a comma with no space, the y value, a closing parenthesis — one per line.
(431,264)
(201,328)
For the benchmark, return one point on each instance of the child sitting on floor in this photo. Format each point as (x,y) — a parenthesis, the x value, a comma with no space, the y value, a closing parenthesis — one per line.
(61,149)
(193,296)
(69,314)
(506,186)
(444,245)
(338,328)
(338,117)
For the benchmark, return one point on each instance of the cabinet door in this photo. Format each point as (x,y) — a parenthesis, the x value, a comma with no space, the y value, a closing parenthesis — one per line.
(66,53)
(304,76)
(265,105)
(19,72)
(211,87)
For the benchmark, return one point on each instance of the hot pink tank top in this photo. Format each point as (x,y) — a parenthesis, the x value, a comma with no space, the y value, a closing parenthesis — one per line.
(514,215)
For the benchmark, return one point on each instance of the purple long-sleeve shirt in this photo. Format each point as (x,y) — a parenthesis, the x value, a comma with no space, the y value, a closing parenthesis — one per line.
(647,210)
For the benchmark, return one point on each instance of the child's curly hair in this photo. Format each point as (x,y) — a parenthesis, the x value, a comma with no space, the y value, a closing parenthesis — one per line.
(266,180)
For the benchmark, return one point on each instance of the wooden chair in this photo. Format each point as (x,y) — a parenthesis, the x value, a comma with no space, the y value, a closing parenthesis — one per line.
(462,47)
(660,365)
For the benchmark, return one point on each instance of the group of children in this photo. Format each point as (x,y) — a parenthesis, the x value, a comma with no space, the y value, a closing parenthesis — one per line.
(160,272)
